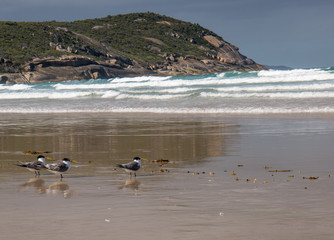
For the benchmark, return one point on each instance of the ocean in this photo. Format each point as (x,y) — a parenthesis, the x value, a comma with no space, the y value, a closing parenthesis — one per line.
(256,92)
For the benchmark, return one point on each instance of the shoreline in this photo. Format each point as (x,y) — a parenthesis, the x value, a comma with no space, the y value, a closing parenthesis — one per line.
(180,115)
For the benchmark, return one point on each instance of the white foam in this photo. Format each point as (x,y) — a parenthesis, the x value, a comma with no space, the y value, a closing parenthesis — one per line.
(285,95)
(62,95)
(262,77)
(37,95)
(237,110)
(280,87)
(164,90)
(60,86)
(150,96)
(15,87)
(140,79)
(298,74)
(279,76)
(110,94)
(293,72)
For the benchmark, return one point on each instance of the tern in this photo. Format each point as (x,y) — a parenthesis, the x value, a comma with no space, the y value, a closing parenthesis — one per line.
(34,166)
(60,167)
(133,166)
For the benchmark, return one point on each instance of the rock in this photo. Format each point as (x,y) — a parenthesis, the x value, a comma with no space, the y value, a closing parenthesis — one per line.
(112,61)
(156,41)
(171,58)
(95,75)
(53,45)
(60,48)
(214,41)
(98,27)
(165,22)
(156,49)
(3,79)
(81,68)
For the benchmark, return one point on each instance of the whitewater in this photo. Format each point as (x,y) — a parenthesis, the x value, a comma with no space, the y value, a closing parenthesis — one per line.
(256,92)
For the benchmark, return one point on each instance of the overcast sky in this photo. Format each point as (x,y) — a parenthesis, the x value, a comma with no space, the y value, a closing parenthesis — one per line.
(295,33)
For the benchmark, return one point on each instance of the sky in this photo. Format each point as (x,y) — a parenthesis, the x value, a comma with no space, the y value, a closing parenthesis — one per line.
(294,33)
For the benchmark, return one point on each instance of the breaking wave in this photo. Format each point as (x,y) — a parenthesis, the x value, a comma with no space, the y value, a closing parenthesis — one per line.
(270,91)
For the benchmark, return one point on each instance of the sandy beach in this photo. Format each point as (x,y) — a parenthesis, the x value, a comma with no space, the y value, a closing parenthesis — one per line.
(242,177)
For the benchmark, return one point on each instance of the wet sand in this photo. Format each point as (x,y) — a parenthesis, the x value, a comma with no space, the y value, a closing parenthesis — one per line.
(228,177)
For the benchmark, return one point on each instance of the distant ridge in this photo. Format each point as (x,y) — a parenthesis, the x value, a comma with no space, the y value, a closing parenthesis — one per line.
(280,67)
(134,44)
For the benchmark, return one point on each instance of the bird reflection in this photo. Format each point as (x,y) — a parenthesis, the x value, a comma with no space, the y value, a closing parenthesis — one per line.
(57,188)
(35,182)
(131,184)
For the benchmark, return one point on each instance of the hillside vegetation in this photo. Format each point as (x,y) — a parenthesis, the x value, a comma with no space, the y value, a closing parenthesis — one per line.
(146,39)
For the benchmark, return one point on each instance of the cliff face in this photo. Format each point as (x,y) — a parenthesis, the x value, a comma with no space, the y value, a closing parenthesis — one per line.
(124,45)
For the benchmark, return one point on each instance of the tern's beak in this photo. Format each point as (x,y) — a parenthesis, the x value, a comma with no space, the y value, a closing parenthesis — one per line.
(144,159)
(73,161)
(48,158)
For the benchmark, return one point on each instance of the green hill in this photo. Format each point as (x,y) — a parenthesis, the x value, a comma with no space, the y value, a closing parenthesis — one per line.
(151,42)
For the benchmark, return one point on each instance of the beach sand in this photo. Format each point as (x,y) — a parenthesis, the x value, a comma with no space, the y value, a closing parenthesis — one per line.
(227,177)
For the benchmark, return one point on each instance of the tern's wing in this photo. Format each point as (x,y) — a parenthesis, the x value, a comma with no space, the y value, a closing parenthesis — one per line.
(132,166)
(34,165)
(59,167)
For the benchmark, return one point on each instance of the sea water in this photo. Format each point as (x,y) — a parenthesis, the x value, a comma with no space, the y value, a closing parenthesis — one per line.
(255,92)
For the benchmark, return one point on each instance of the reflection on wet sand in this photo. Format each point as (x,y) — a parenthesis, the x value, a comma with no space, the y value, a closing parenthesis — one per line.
(107,139)
(57,188)
(131,184)
(35,182)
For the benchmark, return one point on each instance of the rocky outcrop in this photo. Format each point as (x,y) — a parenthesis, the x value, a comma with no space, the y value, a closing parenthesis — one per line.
(228,53)
(71,68)
(81,68)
